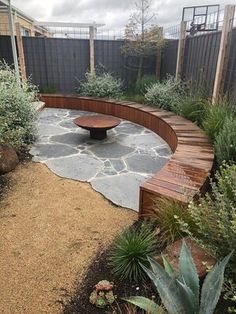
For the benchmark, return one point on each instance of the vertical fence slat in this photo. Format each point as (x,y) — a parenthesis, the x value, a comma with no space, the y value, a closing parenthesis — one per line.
(223,51)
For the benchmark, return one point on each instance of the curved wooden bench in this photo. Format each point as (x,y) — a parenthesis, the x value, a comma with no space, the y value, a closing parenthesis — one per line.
(187,171)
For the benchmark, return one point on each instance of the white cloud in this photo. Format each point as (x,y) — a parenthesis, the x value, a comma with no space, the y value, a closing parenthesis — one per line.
(114,13)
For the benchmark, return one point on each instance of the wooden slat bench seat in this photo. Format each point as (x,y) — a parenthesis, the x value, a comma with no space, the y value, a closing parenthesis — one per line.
(187,172)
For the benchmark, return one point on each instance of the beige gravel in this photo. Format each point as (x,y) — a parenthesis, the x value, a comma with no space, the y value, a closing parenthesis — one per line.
(50,230)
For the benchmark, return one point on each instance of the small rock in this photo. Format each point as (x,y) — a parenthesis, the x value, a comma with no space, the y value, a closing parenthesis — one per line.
(202,260)
(8,159)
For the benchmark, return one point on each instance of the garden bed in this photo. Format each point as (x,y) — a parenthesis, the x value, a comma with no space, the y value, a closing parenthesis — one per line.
(98,270)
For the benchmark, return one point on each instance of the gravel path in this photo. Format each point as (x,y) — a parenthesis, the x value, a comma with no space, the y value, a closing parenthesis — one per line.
(50,229)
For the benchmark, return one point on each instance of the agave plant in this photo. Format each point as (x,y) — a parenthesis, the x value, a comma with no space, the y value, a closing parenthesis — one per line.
(180,292)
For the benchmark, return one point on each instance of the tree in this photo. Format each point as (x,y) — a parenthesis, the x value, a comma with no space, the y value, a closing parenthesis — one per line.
(142,39)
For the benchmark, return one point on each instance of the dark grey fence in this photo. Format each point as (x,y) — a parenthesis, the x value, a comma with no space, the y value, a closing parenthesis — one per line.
(5,49)
(169,58)
(230,75)
(200,61)
(57,64)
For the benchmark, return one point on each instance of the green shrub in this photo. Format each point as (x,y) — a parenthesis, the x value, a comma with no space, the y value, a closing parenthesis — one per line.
(191,108)
(163,95)
(215,215)
(50,89)
(102,85)
(230,294)
(136,98)
(166,214)
(215,118)
(141,85)
(17,115)
(225,142)
(180,291)
(130,249)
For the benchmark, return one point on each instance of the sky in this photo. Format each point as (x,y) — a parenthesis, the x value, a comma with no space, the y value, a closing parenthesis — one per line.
(113,13)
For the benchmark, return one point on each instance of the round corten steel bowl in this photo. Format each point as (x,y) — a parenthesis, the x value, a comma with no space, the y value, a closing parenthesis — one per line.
(97,125)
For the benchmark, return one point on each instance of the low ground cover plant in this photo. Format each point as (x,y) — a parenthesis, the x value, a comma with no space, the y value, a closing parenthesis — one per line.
(101,85)
(102,294)
(180,291)
(130,250)
(17,115)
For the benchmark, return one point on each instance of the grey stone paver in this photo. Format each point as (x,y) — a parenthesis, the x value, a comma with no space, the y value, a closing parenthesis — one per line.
(111,150)
(78,167)
(45,129)
(118,164)
(71,138)
(115,166)
(123,186)
(163,151)
(144,141)
(129,128)
(46,151)
(144,163)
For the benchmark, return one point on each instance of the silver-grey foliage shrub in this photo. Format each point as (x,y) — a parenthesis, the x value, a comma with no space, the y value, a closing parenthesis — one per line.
(17,115)
(165,94)
(103,85)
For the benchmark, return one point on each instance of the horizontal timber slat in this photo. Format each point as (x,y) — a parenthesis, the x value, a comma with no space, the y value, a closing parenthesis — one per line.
(187,172)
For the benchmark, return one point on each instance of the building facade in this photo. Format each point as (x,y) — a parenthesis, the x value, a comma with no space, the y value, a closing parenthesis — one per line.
(26,23)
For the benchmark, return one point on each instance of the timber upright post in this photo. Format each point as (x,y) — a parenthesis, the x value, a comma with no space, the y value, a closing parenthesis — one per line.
(13,43)
(181,46)
(91,49)
(158,57)
(20,51)
(223,55)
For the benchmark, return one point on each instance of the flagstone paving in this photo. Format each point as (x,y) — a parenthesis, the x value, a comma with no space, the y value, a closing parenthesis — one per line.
(115,166)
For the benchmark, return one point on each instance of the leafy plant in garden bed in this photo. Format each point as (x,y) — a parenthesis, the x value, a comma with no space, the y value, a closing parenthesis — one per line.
(137,91)
(225,142)
(141,85)
(165,94)
(17,115)
(102,295)
(101,85)
(215,215)
(215,117)
(130,249)
(180,292)
(98,270)
(191,108)
(165,215)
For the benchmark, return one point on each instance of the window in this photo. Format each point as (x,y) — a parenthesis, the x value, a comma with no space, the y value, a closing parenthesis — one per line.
(24,31)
